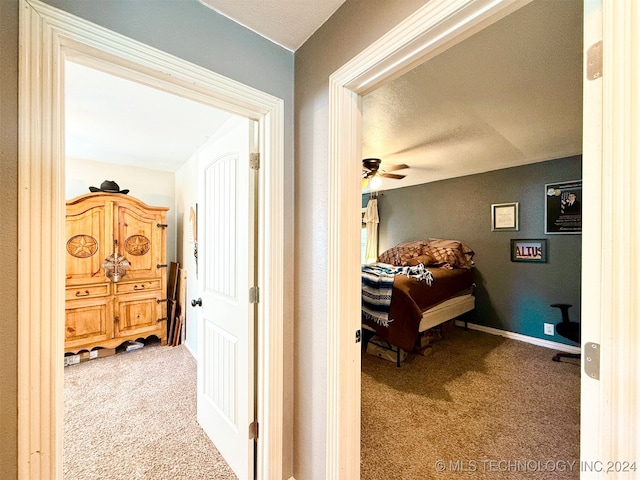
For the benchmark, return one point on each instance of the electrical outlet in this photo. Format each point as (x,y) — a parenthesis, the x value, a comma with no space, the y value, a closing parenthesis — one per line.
(548,328)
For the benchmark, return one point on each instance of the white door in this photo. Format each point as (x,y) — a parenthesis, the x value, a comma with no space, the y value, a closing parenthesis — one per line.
(226,250)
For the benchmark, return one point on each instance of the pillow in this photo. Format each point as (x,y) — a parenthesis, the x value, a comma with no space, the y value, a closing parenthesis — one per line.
(450,252)
(455,244)
(424,259)
(403,252)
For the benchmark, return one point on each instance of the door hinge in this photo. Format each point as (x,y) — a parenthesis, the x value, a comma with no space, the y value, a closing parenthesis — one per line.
(254,161)
(358,335)
(254,295)
(253,430)
(594,61)
(591,354)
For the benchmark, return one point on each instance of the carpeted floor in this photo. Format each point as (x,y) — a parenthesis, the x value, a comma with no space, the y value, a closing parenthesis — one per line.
(133,416)
(479,406)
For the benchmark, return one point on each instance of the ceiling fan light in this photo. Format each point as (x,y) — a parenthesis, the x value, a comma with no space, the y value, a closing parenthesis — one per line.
(375,182)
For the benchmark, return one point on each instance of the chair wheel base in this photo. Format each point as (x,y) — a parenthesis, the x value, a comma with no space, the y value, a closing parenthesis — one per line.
(558,356)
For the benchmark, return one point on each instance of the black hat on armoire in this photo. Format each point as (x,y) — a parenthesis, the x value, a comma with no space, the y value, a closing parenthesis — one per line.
(108,186)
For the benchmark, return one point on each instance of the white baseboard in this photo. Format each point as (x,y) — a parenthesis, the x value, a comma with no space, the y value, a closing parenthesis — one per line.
(186,344)
(523,338)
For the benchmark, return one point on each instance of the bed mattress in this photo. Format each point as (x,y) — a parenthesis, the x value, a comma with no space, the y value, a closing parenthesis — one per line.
(411,298)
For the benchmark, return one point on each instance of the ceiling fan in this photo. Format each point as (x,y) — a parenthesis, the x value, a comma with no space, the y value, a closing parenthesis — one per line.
(371,172)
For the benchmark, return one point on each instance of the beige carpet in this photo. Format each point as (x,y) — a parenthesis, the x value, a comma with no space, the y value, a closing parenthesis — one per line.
(483,406)
(133,416)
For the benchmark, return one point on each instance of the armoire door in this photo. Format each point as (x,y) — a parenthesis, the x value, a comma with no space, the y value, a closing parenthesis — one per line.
(89,230)
(141,239)
(137,314)
(88,321)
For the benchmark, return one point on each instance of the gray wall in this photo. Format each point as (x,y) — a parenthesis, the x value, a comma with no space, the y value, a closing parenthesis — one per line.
(9,237)
(511,296)
(186,29)
(356,25)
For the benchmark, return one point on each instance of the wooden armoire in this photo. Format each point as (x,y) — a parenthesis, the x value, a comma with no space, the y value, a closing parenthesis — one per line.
(116,271)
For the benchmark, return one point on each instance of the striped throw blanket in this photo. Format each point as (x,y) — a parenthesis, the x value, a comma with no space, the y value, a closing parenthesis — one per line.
(377,288)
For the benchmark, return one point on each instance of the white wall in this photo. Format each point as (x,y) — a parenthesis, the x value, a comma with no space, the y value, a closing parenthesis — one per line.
(186,182)
(153,187)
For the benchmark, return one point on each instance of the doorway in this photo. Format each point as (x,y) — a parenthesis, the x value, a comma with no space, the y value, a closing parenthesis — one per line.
(147,141)
(439,122)
(41,213)
(412,42)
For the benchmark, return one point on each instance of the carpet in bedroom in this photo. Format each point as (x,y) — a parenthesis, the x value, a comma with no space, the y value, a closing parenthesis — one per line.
(488,407)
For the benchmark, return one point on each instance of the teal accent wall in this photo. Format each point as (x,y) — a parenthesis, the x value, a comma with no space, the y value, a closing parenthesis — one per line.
(511,296)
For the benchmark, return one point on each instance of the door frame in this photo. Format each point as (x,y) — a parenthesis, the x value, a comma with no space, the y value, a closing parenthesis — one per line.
(609,311)
(48,37)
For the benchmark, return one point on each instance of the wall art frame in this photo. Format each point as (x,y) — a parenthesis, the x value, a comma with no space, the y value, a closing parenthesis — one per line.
(532,250)
(505,217)
(563,207)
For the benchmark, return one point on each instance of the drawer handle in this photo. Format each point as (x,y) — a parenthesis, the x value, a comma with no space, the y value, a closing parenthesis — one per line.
(82,294)
(138,287)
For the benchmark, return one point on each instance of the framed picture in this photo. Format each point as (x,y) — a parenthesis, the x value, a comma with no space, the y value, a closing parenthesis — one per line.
(504,217)
(531,250)
(193,233)
(563,207)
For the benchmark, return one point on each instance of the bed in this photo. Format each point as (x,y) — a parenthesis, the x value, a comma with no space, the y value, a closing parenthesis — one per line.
(420,285)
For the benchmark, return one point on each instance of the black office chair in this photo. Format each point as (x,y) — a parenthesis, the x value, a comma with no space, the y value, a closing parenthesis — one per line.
(567,329)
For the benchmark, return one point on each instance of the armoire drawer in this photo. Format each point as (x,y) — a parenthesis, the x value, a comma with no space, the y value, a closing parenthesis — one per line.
(87,291)
(139,286)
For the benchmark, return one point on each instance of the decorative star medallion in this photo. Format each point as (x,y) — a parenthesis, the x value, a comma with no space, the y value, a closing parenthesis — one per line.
(137,244)
(82,246)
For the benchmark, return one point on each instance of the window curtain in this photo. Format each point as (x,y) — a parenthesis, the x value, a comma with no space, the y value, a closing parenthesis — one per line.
(371,220)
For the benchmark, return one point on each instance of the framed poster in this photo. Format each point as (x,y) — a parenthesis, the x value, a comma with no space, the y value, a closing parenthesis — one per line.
(563,207)
(532,250)
(504,217)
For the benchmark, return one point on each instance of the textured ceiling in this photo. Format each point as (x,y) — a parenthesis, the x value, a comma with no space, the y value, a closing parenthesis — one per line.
(288,23)
(509,95)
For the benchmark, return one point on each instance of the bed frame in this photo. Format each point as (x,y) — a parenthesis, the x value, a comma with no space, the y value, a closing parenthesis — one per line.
(447,310)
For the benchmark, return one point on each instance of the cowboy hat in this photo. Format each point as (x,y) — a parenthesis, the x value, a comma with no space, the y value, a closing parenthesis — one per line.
(108,186)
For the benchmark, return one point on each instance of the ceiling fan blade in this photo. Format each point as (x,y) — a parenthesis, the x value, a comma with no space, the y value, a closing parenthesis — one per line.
(393,168)
(392,175)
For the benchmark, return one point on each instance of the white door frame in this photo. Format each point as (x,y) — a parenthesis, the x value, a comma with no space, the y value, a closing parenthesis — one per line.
(611,310)
(48,36)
